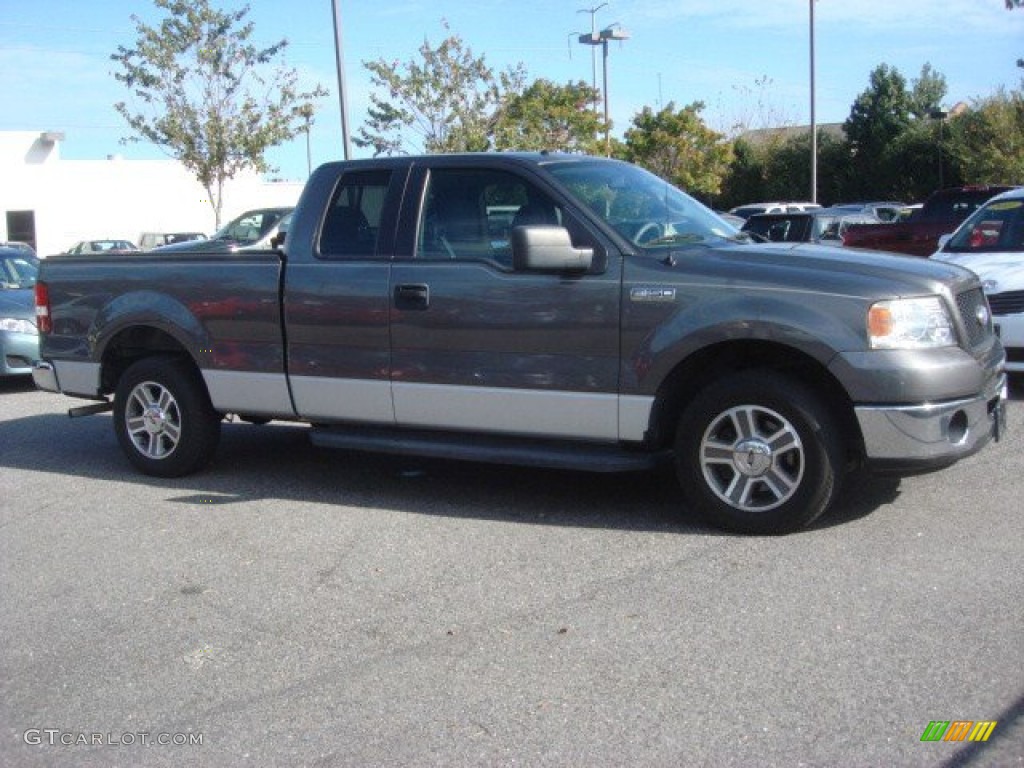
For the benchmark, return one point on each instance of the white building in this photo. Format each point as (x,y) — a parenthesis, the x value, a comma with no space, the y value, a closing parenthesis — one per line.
(53,203)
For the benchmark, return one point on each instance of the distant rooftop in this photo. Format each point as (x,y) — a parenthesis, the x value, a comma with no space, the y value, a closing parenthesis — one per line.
(785,133)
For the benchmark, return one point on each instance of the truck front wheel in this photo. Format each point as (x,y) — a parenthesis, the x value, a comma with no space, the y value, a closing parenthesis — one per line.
(758,453)
(163,418)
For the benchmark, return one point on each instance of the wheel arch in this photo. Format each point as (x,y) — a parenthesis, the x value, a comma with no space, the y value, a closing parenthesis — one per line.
(702,368)
(133,343)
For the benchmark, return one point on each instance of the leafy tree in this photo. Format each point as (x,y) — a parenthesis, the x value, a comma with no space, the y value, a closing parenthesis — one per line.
(206,95)
(679,147)
(550,116)
(445,102)
(987,141)
(746,179)
(928,92)
(879,114)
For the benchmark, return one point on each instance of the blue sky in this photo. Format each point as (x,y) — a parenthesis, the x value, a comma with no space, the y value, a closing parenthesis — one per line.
(55,71)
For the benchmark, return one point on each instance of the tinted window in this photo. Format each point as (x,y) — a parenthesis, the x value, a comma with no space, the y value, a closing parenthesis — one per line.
(469,214)
(351,226)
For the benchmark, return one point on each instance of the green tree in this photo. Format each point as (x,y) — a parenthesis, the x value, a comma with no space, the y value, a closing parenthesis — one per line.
(987,141)
(878,116)
(446,101)
(927,94)
(206,95)
(678,146)
(550,116)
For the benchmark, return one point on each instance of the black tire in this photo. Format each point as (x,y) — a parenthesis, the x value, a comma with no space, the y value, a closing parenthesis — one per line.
(163,418)
(758,453)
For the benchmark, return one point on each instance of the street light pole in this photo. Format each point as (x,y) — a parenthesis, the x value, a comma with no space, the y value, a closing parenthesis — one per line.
(940,115)
(342,92)
(611,32)
(593,54)
(814,122)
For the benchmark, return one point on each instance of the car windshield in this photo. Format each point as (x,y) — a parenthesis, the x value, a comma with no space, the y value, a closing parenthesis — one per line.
(998,226)
(249,227)
(641,207)
(18,271)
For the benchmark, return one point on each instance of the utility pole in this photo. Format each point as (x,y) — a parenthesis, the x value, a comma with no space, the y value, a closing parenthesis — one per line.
(814,122)
(342,92)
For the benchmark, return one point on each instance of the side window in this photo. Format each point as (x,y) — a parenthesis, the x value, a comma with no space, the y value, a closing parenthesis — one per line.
(351,226)
(469,215)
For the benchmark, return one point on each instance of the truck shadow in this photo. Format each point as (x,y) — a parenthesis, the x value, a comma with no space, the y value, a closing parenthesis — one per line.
(277,462)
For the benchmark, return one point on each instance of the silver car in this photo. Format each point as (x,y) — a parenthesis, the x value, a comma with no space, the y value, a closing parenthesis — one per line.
(19,338)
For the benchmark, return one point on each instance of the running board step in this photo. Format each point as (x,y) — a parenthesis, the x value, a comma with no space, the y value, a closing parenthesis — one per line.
(587,457)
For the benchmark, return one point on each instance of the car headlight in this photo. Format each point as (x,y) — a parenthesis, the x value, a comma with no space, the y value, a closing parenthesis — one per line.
(17,325)
(910,324)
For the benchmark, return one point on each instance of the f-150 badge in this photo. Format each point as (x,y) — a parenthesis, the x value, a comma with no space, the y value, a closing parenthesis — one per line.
(652,293)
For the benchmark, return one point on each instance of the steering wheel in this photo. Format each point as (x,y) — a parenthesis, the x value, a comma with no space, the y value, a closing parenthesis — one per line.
(655,228)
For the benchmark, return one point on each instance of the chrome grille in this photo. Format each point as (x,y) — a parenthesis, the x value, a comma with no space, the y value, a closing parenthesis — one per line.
(1009,303)
(968,304)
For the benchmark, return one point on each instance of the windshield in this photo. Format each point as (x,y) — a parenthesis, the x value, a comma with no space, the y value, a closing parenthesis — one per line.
(18,271)
(641,207)
(998,226)
(250,227)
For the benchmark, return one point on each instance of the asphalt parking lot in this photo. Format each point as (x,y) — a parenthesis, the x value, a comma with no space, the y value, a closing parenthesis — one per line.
(293,606)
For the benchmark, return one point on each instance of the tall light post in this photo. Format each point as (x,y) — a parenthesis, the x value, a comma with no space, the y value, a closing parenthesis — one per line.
(342,92)
(593,54)
(940,115)
(611,32)
(814,122)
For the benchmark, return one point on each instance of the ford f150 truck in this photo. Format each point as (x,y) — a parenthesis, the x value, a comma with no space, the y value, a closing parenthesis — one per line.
(919,235)
(540,309)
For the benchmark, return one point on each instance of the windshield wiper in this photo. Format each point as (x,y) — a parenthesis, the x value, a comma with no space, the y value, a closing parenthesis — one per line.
(676,238)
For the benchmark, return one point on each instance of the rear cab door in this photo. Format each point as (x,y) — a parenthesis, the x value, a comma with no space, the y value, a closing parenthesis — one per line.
(336,297)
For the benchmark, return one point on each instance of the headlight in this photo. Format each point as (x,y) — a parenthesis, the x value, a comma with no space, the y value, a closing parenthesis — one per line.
(17,325)
(910,324)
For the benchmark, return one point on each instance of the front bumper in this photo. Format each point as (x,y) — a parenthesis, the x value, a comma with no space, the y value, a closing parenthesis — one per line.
(1011,333)
(17,351)
(933,435)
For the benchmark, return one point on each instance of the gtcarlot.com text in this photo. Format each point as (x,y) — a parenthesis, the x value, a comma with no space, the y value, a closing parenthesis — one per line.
(55,737)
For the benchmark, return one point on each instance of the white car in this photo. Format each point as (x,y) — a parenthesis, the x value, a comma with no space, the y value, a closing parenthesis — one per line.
(991,244)
(746,211)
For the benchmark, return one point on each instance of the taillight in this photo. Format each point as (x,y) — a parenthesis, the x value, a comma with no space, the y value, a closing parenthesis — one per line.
(43,321)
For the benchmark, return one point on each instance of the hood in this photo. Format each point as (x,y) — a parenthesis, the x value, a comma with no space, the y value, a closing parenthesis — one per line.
(19,303)
(999,272)
(839,270)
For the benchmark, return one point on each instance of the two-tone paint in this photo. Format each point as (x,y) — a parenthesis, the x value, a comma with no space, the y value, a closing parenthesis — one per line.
(599,356)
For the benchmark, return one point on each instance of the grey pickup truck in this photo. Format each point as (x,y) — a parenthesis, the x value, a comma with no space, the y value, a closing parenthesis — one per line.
(539,309)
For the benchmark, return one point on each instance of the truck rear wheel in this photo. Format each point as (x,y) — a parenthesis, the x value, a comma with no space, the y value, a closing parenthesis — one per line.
(163,418)
(758,453)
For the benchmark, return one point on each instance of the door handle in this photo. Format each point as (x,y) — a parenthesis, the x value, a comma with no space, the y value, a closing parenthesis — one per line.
(412,296)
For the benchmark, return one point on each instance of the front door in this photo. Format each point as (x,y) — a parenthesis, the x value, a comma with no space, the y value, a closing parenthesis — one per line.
(479,346)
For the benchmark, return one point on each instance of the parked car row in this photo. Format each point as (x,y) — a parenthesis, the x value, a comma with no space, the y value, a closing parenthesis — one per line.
(823,225)
(919,233)
(255,229)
